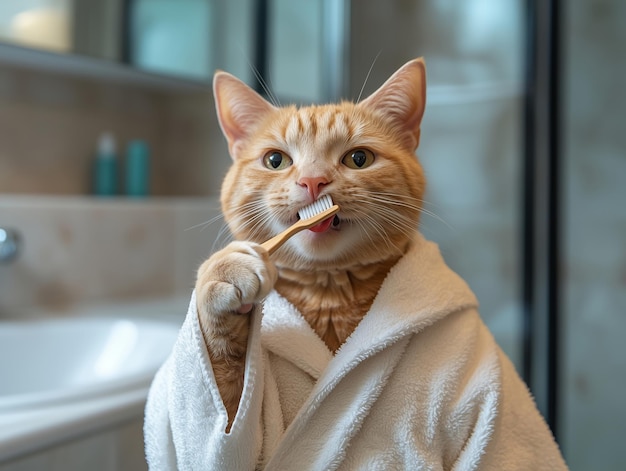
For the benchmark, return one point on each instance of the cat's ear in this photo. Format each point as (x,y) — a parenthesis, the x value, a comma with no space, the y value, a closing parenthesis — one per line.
(402,99)
(239,109)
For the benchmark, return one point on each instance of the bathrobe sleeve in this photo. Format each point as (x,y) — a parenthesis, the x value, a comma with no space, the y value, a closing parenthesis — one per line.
(185,418)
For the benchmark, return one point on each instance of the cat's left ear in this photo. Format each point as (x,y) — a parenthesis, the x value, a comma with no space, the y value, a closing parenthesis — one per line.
(239,109)
(402,99)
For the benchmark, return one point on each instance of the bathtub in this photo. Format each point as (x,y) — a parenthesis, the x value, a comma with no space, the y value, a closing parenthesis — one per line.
(67,376)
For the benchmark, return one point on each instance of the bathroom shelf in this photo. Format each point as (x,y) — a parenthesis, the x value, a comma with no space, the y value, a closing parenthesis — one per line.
(92,68)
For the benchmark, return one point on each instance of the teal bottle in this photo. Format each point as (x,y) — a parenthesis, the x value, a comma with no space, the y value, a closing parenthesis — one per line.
(105,169)
(137,169)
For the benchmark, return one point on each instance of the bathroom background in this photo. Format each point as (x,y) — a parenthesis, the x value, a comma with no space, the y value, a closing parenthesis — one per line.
(140,69)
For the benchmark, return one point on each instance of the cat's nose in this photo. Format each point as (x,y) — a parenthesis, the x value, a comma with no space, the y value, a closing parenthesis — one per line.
(313,185)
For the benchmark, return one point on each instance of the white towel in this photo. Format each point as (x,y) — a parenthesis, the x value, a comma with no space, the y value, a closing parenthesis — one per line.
(419,385)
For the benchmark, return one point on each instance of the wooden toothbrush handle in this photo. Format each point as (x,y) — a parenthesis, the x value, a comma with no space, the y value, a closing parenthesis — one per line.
(273,244)
(276,242)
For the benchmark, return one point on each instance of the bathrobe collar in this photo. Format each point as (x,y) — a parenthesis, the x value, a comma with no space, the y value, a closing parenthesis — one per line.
(418,291)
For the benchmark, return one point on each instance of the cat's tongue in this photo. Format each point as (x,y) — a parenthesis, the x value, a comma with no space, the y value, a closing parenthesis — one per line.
(322,226)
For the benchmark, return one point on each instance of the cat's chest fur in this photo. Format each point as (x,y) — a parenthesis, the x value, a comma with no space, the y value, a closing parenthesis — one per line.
(333,302)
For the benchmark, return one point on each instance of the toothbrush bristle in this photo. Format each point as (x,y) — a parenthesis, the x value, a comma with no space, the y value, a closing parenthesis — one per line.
(316,207)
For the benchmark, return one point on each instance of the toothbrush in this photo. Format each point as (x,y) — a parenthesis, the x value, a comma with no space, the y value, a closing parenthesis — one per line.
(310,215)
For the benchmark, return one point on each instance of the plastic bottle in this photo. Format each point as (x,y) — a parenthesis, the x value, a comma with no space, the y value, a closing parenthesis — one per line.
(137,169)
(105,174)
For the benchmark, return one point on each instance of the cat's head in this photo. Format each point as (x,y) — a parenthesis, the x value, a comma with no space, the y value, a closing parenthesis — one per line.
(362,155)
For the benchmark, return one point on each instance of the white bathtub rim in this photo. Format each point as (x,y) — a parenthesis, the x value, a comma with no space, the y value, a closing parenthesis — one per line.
(34,402)
(81,391)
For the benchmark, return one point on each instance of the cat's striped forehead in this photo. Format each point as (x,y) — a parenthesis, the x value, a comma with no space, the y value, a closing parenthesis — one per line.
(329,123)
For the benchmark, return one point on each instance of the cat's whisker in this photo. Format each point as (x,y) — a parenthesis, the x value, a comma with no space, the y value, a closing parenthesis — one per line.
(365,232)
(400,228)
(220,234)
(368,76)
(381,196)
(250,226)
(386,204)
(224,236)
(395,199)
(272,98)
(205,224)
(256,223)
(400,222)
(371,223)
(436,217)
(377,227)
(251,210)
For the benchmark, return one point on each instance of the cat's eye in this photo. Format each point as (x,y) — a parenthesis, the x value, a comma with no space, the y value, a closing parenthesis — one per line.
(276,160)
(358,158)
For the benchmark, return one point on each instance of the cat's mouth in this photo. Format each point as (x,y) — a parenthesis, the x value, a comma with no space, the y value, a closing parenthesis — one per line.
(331,223)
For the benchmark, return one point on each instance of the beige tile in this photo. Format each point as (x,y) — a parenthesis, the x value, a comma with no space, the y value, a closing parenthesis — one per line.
(81,250)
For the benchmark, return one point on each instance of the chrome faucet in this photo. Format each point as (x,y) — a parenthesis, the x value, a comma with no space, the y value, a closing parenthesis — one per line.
(9,244)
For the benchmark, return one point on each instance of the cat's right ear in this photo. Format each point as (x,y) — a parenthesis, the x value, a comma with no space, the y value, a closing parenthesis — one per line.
(239,109)
(401,99)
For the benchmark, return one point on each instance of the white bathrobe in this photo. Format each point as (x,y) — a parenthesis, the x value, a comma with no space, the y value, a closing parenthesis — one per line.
(420,385)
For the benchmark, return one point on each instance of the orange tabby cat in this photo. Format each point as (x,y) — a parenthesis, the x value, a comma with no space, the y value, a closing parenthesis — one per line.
(284,159)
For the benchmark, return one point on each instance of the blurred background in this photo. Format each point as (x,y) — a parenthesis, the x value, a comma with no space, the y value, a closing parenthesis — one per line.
(523,144)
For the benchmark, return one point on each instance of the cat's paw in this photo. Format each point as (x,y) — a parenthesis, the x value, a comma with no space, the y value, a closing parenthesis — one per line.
(234,278)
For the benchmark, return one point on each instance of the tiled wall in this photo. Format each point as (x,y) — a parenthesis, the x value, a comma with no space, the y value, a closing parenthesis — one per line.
(83,250)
